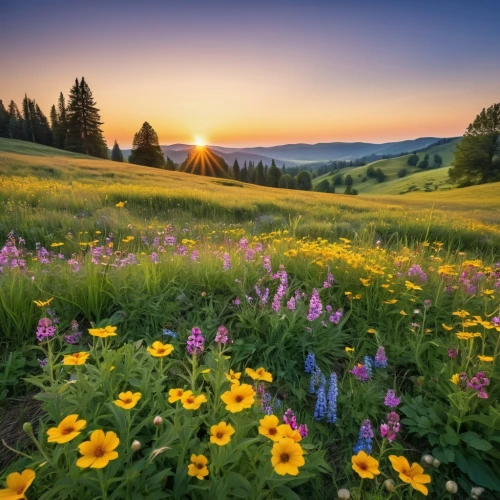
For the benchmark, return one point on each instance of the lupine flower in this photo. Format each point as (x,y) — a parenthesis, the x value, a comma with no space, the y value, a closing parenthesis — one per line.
(227,261)
(267,264)
(336,317)
(303,430)
(390,429)
(333,391)
(221,337)
(320,409)
(416,270)
(310,364)
(391,400)
(290,419)
(291,304)
(360,373)
(364,439)
(45,329)
(195,342)
(315,306)
(380,358)
(329,280)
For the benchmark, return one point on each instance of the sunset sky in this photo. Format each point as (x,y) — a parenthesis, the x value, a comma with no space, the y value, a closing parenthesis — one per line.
(259,73)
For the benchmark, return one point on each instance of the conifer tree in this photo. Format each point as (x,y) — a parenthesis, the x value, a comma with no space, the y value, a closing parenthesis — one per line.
(4,121)
(170,164)
(244,174)
(63,121)
(28,132)
(57,131)
(15,122)
(236,170)
(146,148)
(116,153)
(273,176)
(260,175)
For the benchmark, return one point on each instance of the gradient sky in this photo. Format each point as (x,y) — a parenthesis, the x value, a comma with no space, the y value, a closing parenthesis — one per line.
(259,73)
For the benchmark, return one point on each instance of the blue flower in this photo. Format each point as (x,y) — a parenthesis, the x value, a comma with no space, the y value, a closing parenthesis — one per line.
(369,366)
(310,364)
(315,380)
(170,333)
(333,392)
(364,439)
(320,410)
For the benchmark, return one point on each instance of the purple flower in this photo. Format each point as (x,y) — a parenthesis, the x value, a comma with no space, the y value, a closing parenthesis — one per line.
(380,358)
(195,342)
(221,337)
(417,271)
(290,419)
(227,261)
(291,304)
(155,258)
(303,430)
(364,439)
(236,301)
(315,306)
(391,400)
(267,264)
(452,353)
(195,255)
(331,399)
(45,329)
(330,280)
(336,317)
(360,373)
(43,362)
(390,429)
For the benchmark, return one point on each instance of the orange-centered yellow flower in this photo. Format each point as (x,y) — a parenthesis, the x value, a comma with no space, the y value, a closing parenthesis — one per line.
(127,400)
(287,457)
(413,474)
(191,402)
(198,466)
(160,350)
(221,433)
(259,374)
(365,465)
(77,358)
(67,430)
(285,431)
(17,484)
(175,395)
(107,331)
(238,398)
(269,427)
(99,450)
(233,377)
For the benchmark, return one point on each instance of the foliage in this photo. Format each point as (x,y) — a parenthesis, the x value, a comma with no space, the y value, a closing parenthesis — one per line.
(413,160)
(304,181)
(146,149)
(402,172)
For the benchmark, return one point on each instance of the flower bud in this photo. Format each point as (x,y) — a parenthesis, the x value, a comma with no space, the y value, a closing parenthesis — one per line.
(28,428)
(451,487)
(158,421)
(476,492)
(389,485)
(427,459)
(136,445)
(436,463)
(344,494)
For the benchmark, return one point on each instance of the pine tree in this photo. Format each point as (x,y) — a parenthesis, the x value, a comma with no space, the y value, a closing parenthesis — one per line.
(116,153)
(260,175)
(4,121)
(28,132)
(146,148)
(57,131)
(43,133)
(15,122)
(170,164)
(273,176)
(236,170)
(63,121)
(244,174)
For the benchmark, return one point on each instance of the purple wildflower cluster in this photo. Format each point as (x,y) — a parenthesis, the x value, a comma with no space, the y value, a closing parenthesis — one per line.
(416,271)
(195,342)
(360,372)
(282,289)
(390,428)
(74,336)
(226,259)
(365,438)
(478,383)
(391,400)
(330,280)
(45,329)
(315,306)
(380,358)
(222,335)
(11,256)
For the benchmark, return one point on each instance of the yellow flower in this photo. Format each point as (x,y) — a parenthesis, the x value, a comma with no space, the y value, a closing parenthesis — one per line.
(259,374)
(120,204)
(127,400)
(67,430)
(99,450)
(191,402)
(57,244)
(413,475)
(455,378)
(107,331)
(365,465)
(486,359)
(221,433)
(77,358)
(365,282)
(391,301)
(411,286)
(460,313)
(446,327)
(17,484)
(239,397)
(349,349)
(269,427)
(402,313)
(206,371)
(467,336)
(287,457)
(198,466)
(41,303)
(233,377)
(370,330)
(286,431)
(160,350)
(175,395)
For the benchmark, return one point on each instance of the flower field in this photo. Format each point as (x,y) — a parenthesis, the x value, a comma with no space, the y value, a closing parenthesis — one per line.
(163,340)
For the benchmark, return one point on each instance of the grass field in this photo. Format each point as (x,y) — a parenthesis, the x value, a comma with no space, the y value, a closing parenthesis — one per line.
(269,338)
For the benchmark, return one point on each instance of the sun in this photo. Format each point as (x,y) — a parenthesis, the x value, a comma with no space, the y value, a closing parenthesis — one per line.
(199,141)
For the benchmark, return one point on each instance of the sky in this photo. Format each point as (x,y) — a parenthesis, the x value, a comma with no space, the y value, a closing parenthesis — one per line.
(258,73)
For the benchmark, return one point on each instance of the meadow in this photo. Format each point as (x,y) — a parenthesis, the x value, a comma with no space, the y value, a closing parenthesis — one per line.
(165,335)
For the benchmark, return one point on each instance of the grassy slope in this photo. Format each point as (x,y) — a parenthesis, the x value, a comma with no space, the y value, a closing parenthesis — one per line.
(391,166)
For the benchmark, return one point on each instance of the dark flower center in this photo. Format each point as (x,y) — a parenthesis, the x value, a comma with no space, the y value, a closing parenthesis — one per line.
(239,399)
(67,430)
(363,466)
(190,400)
(272,431)
(284,458)
(199,466)
(219,435)
(127,401)
(160,350)
(98,452)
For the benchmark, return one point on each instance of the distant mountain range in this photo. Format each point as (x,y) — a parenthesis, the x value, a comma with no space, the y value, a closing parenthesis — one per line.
(295,154)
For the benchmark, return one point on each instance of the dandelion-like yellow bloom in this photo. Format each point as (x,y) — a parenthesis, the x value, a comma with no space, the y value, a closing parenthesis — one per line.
(349,349)
(461,313)
(198,466)
(239,398)
(365,465)
(191,402)
(233,377)
(120,204)
(77,358)
(455,378)
(99,450)
(160,350)
(107,331)
(285,431)
(127,400)
(221,433)
(66,431)
(413,474)
(287,457)
(17,484)
(175,395)
(259,374)
(42,303)
(269,427)
(467,336)
(446,327)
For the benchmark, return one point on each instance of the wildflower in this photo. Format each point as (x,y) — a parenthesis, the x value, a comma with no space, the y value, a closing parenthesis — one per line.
(269,427)
(45,329)
(43,362)
(99,450)
(291,304)
(455,379)
(391,400)
(170,333)
(240,397)
(452,353)
(476,491)
(259,374)
(233,377)
(290,419)
(336,317)
(107,331)
(120,204)
(77,358)
(310,364)
(43,303)
(195,342)
(486,359)
(226,259)
(320,409)
(67,430)
(360,372)
(467,335)
(451,487)
(221,337)
(285,431)
(369,366)
(287,457)
(315,306)
(160,350)
(315,379)
(331,399)
(365,438)
(17,484)
(413,474)
(390,429)
(127,400)
(221,433)
(365,465)
(158,421)
(380,358)
(198,466)
(191,402)
(303,430)
(136,445)
(175,395)
(349,349)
